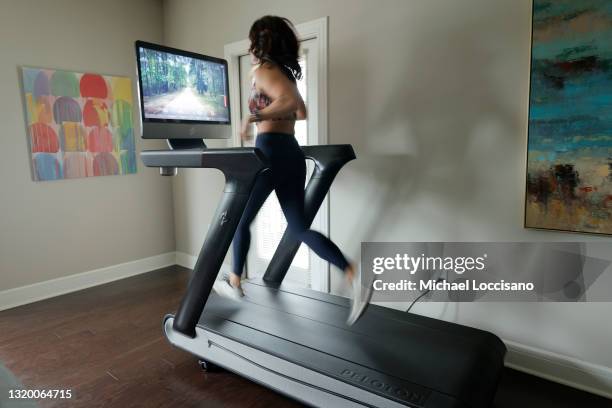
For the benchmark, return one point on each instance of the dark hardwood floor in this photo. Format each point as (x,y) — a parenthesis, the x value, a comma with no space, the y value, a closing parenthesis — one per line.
(106,345)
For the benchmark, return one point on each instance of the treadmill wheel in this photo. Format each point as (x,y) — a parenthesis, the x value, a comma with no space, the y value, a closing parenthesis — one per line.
(209,367)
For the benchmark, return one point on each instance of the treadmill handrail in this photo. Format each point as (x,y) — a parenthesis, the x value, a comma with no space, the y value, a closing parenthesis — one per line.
(237,164)
(329,158)
(241,167)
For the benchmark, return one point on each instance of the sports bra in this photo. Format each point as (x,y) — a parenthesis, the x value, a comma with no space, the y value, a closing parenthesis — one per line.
(259,100)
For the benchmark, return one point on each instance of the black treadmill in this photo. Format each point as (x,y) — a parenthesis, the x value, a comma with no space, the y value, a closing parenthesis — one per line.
(296,341)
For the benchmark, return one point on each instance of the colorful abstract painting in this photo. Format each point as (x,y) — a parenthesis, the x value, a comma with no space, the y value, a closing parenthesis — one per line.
(79,124)
(569,162)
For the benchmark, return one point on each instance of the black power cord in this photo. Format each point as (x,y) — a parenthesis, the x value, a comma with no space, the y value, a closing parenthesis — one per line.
(421,295)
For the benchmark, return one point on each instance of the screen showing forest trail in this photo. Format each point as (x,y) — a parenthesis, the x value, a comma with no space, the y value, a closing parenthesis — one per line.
(183,88)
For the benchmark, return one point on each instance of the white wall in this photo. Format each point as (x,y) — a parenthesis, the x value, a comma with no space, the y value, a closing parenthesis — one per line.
(55,229)
(433,96)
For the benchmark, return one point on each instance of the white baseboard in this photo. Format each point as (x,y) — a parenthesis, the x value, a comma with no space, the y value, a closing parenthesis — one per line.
(189,261)
(185,260)
(43,290)
(559,368)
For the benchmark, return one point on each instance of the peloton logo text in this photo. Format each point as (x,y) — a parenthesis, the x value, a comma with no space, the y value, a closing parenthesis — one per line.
(224,218)
(390,389)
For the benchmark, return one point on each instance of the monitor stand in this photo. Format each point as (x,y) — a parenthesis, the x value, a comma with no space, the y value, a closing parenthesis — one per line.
(181,144)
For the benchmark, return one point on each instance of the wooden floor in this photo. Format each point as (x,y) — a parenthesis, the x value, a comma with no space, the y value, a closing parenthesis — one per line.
(106,345)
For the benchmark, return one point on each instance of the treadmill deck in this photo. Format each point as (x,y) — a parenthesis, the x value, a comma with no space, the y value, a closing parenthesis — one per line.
(410,359)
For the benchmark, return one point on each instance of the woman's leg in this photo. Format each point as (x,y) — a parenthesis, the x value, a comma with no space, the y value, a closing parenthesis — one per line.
(291,197)
(289,185)
(242,238)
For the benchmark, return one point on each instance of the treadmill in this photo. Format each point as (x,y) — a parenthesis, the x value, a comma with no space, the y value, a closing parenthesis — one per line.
(296,341)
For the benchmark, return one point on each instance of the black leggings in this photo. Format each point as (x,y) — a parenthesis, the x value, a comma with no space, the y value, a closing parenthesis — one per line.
(287,175)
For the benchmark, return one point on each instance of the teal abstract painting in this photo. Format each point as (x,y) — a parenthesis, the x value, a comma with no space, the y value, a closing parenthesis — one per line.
(569,160)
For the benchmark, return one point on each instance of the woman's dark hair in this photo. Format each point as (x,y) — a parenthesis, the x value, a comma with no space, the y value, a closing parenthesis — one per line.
(273,40)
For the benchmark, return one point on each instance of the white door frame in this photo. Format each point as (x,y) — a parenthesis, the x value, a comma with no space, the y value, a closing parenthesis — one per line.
(306,31)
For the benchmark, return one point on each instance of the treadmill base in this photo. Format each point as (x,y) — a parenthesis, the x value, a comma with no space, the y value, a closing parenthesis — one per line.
(297,382)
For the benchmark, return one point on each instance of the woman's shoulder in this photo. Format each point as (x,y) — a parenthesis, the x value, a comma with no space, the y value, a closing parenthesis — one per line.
(265,69)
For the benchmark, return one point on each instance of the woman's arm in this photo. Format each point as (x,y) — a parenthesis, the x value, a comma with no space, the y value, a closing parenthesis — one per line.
(301,114)
(286,100)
